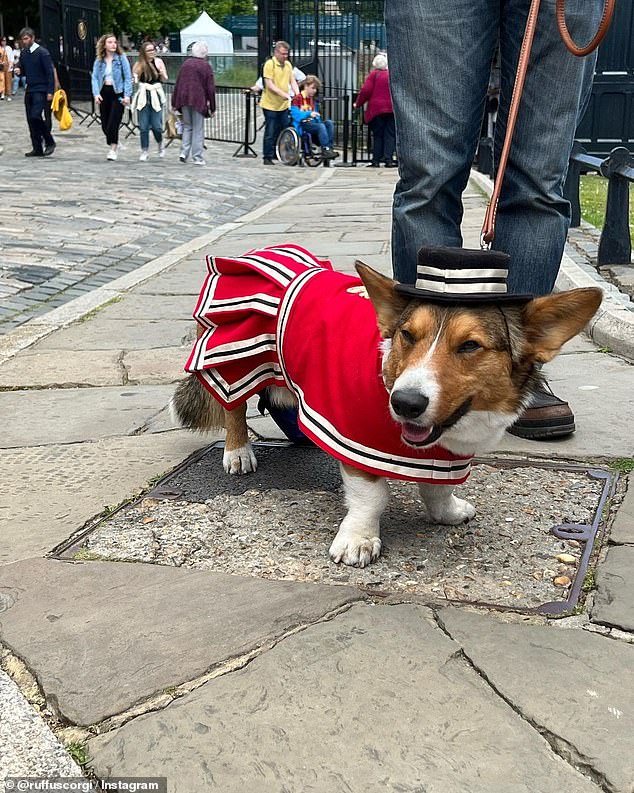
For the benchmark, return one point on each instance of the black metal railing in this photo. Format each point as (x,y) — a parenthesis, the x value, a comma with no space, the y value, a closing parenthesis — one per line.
(615,244)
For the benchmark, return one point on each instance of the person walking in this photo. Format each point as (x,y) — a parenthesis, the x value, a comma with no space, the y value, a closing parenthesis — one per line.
(149,73)
(37,67)
(277,75)
(440,62)
(379,113)
(111,87)
(194,98)
(6,69)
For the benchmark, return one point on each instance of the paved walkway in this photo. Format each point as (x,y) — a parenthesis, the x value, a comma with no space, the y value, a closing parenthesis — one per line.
(75,221)
(230,683)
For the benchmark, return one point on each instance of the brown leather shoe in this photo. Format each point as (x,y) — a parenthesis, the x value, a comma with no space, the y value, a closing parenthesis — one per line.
(546,417)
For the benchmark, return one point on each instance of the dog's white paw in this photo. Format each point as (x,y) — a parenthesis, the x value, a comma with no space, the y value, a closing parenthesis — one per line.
(355,550)
(240,461)
(453,511)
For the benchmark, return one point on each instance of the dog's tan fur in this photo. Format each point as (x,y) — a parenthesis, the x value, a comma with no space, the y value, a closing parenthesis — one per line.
(484,357)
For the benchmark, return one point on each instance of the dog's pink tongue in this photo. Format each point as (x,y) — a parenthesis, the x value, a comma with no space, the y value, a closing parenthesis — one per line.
(416,434)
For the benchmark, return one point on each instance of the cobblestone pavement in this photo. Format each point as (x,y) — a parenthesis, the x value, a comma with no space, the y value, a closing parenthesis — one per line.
(74,221)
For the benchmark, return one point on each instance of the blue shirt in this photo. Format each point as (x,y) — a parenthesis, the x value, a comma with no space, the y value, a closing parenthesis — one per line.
(121,75)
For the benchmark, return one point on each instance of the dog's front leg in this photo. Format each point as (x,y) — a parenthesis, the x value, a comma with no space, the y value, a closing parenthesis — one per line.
(358,541)
(238,457)
(443,506)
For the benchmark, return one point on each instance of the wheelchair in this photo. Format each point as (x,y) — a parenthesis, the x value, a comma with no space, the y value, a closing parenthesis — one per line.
(293,149)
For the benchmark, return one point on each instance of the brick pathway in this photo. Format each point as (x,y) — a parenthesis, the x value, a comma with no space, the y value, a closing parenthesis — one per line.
(74,221)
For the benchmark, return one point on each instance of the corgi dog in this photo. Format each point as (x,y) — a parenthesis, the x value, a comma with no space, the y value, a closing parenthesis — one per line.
(395,383)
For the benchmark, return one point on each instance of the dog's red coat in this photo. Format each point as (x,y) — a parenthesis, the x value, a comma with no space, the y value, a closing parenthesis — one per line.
(279,316)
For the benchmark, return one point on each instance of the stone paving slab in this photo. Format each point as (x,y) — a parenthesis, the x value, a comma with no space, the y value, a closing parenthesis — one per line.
(598,388)
(376,700)
(102,332)
(45,369)
(623,527)
(29,748)
(576,688)
(49,492)
(154,367)
(615,591)
(65,620)
(70,415)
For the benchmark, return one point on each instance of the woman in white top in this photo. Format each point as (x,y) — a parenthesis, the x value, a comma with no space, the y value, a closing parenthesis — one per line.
(111,88)
(149,73)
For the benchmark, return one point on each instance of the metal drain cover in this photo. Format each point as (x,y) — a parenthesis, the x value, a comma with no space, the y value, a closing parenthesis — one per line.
(528,547)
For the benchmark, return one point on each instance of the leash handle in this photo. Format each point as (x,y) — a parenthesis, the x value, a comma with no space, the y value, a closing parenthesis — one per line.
(488,228)
(604,25)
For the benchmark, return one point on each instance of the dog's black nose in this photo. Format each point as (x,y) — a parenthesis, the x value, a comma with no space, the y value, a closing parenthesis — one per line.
(409,403)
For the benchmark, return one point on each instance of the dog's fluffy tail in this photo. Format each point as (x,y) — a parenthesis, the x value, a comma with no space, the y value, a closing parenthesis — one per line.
(195,408)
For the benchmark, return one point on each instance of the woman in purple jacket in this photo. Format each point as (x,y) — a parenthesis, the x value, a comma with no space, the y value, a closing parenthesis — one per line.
(379,114)
(194,98)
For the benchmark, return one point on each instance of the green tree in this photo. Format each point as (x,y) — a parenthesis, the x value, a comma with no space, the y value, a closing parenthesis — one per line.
(138,17)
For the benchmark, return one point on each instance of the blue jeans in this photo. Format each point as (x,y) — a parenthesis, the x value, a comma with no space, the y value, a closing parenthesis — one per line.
(274,123)
(323,129)
(439,73)
(150,119)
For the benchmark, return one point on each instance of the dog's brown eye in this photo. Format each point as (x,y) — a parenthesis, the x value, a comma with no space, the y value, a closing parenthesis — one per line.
(469,346)
(407,336)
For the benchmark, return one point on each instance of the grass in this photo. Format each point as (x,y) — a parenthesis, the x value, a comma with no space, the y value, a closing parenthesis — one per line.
(624,465)
(78,752)
(593,194)
(237,77)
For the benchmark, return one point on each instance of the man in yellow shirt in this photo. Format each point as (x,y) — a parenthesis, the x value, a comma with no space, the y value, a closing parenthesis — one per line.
(278,76)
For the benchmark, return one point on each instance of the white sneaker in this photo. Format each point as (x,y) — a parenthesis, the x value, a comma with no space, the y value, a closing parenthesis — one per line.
(198,161)
(9,99)
(161,150)
(144,155)
(112,155)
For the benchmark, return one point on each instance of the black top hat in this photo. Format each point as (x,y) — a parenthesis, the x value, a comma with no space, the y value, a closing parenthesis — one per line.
(460,275)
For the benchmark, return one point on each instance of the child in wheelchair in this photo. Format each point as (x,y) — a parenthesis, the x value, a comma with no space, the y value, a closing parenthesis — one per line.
(306,117)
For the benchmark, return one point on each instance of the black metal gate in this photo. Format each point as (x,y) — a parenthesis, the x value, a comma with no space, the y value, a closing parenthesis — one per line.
(609,119)
(69,30)
(336,42)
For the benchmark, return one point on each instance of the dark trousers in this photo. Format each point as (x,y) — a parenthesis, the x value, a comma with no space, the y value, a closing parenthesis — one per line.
(38,117)
(111,111)
(274,123)
(383,137)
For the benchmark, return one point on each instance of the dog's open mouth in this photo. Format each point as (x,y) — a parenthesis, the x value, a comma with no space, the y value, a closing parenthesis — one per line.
(415,435)
(418,435)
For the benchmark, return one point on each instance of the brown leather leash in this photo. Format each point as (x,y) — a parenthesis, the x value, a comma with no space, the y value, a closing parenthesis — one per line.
(488,228)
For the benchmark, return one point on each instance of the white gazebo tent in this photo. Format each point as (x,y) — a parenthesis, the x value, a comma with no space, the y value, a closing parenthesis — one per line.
(205,29)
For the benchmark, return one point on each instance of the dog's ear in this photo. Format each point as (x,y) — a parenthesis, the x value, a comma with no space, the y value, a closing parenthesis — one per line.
(551,321)
(387,303)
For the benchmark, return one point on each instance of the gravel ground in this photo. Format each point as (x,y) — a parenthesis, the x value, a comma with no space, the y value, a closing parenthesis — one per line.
(507,555)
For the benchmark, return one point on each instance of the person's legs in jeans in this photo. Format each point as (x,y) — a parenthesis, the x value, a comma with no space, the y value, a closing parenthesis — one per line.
(319,129)
(156,125)
(439,74)
(144,119)
(330,129)
(533,216)
(186,142)
(198,135)
(270,134)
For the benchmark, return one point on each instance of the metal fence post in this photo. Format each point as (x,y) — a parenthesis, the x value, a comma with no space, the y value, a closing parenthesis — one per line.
(615,245)
(245,149)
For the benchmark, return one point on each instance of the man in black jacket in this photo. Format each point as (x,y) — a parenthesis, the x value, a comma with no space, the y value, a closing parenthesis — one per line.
(37,66)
